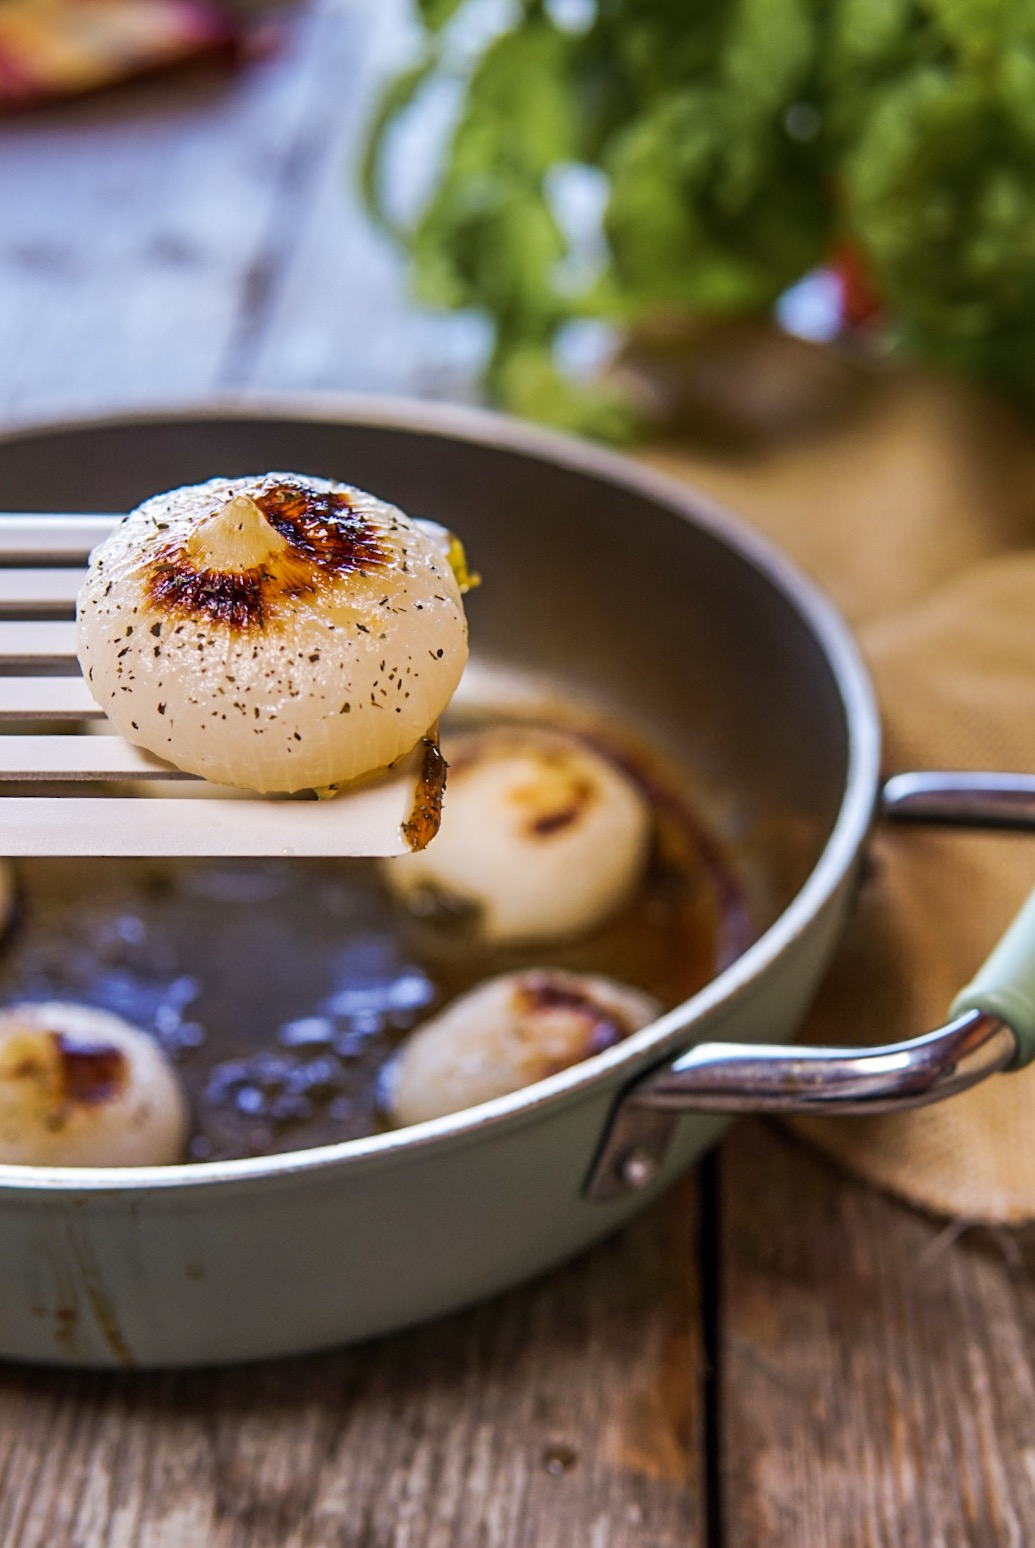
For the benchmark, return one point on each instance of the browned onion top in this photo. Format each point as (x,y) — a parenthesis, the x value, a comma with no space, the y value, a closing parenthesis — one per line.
(325,536)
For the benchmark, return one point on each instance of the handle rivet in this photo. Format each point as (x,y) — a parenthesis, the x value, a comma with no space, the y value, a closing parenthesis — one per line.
(638,1167)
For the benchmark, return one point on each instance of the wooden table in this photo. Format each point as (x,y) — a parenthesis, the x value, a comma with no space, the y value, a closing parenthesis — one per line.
(775,1354)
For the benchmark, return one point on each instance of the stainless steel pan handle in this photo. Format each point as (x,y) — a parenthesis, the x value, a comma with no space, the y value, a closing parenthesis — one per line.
(992,1026)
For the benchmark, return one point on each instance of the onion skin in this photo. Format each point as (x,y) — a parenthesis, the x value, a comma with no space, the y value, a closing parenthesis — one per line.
(507,1033)
(274,633)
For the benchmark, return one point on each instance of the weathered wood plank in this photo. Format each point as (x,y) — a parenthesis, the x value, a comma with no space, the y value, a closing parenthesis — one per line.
(567,1412)
(333,310)
(201,232)
(877,1369)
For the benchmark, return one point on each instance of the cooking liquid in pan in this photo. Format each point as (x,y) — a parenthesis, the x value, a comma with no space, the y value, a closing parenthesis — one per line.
(280,988)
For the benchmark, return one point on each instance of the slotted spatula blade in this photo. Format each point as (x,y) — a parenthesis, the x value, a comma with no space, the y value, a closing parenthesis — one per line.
(87,810)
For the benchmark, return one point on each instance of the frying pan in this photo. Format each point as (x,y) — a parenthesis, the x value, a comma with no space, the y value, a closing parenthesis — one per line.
(638,600)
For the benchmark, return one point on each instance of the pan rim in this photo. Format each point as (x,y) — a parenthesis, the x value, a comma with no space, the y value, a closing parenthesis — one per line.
(672,1031)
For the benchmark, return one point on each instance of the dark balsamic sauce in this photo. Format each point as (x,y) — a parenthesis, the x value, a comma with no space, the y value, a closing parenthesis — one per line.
(279,989)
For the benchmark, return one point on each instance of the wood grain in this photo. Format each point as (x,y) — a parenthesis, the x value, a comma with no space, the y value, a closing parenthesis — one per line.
(329,306)
(202,233)
(877,1368)
(566,1412)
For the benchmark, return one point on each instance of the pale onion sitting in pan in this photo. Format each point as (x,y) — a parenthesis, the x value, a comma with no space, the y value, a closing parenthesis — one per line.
(276,633)
(80,1087)
(506,1034)
(546,838)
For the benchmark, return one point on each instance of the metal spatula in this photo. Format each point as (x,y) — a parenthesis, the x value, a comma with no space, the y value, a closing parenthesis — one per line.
(42,564)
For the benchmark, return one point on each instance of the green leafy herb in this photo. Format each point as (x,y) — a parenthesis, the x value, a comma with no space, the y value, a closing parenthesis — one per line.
(743,143)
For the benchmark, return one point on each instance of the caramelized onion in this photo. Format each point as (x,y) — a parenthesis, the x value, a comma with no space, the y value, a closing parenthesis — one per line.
(80,1087)
(545,838)
(506,1034)
(276,633)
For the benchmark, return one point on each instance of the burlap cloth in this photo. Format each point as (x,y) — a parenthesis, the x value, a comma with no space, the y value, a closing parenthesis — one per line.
(915,510)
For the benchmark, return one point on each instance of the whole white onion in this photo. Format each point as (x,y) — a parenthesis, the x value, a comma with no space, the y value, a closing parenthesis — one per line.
(509,1032)
(545,836)
(276,633)
(80,1087)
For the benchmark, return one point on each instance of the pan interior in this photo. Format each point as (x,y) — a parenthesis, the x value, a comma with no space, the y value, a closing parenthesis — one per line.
(601,600)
